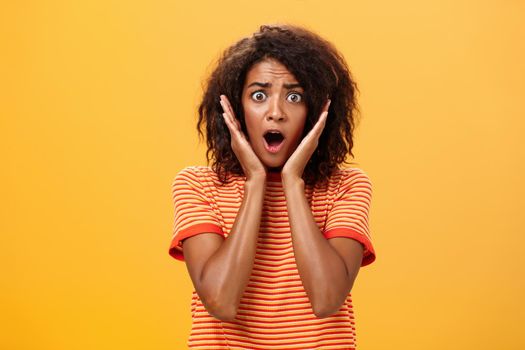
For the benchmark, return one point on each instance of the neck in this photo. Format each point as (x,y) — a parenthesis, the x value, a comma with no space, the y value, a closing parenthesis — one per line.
(274,174)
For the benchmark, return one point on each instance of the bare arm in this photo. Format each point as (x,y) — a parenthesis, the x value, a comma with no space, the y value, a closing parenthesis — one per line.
(219,269)
(327,268)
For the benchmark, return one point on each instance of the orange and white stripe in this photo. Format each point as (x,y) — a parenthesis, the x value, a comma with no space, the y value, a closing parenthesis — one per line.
(274,312)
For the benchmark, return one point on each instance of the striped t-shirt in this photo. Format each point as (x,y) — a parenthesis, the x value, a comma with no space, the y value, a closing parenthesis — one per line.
(274,311)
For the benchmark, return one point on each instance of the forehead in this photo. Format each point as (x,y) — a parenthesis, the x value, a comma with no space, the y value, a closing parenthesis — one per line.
(269,70)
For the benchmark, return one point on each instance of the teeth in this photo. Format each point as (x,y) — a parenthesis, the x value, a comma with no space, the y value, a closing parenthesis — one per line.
(272,133)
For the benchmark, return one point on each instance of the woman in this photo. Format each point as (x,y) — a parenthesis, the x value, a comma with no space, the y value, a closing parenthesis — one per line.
(274,232)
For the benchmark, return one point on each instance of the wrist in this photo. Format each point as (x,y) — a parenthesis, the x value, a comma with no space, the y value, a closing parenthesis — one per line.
(292,181)
(255,181)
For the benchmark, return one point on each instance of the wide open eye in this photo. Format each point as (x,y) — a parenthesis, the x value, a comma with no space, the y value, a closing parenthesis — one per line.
(258,96)
(295,97)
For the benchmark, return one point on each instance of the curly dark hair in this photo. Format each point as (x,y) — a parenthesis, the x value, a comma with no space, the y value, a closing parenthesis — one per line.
(319,68)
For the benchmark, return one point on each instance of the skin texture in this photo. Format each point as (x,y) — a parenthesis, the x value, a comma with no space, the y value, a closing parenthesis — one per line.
(220,269)
(276,106)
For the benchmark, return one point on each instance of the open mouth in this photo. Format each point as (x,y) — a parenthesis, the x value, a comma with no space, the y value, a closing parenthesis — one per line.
(273,141)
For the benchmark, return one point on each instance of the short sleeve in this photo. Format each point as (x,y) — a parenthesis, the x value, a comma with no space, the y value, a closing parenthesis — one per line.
(193,212)
(348,216)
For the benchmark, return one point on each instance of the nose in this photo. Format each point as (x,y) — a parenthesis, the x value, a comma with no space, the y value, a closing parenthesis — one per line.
(275,111)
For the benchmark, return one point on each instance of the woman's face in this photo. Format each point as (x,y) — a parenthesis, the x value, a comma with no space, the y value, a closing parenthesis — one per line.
(274,111)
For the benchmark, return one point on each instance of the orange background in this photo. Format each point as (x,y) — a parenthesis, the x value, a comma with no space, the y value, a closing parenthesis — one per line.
(98,105)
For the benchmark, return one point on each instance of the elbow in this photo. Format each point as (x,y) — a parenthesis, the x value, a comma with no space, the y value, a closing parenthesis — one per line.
(225,315)
(218,302)
(222,311)
(328,307)
(325,309)
(324,312)
(330,301)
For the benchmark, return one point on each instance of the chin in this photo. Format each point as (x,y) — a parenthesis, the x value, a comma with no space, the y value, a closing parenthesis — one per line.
(274,164)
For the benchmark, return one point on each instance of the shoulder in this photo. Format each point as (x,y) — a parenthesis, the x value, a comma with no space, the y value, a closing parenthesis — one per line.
(350,176)
(205,177)
(350,180)
(196,170)
(195,173)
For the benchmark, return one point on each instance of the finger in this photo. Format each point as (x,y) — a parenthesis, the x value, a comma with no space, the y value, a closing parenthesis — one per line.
(232,114)
(227,121)
(233,124)
(320,124)
(234,131)
(238,124)
(327,105)
(324,114)
(228,105)
(223,105)
(228,117)
(229,111)
(223,101)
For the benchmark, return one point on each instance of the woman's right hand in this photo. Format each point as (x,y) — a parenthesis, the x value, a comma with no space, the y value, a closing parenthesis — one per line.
(251,164)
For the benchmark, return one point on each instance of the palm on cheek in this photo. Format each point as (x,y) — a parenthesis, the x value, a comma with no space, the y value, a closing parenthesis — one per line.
(249,161)
(294,166)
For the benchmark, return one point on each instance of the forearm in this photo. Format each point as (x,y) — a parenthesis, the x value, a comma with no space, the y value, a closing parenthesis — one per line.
(227,271)
(323,272)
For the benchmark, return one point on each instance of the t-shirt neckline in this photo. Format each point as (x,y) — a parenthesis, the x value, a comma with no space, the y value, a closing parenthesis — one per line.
(273,176)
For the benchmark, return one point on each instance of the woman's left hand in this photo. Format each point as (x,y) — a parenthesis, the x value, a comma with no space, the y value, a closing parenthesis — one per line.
(294,167)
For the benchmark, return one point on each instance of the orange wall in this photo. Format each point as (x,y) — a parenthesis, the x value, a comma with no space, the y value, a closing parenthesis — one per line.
(97,108)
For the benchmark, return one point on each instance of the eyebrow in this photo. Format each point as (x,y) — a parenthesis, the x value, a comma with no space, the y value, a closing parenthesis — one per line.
(265,85)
